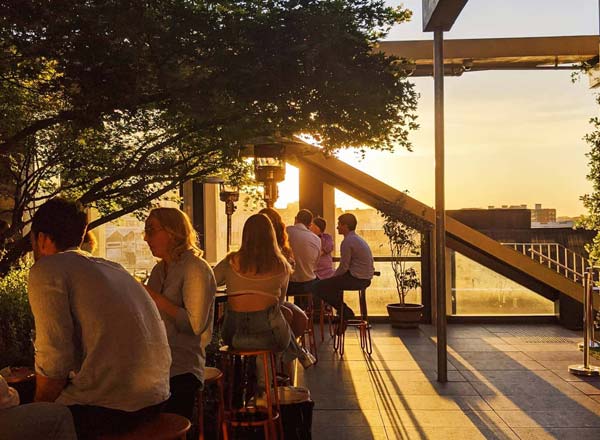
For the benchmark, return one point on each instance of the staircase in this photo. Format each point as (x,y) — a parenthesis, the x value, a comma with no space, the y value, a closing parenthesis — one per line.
(549,270)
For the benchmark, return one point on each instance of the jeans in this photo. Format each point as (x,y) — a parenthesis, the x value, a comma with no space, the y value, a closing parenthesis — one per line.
(331,291)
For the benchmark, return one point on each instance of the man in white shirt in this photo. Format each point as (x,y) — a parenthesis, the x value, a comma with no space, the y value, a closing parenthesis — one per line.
(354,272)
(101,346)
(306,246)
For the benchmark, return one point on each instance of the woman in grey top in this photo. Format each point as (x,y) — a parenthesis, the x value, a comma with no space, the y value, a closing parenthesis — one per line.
(183,287)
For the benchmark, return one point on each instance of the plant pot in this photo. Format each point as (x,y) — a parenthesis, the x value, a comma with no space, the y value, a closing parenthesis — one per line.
(405,315)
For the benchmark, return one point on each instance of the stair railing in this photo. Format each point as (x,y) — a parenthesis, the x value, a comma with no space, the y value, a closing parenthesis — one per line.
(555,256)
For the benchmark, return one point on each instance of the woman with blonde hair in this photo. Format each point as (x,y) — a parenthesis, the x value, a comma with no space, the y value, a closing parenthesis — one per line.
(183,287)
(257,276)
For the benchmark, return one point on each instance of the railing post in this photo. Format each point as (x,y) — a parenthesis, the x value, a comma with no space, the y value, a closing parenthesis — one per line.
(590,279)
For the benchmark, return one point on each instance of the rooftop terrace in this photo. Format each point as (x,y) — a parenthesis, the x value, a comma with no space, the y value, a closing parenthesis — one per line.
(505,382)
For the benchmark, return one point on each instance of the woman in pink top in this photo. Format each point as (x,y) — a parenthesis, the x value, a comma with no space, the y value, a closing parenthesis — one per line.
(324,267)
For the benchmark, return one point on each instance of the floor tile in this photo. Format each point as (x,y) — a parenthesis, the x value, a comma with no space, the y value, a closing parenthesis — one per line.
(366,417)
(499,386)
(392,402)
(349,433)
(554,418)
(558,433)
(451,433)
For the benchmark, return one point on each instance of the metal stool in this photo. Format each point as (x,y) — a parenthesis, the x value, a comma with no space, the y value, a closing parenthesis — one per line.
(361,322)
(211,376)
(309,333)
(250,414)
(164,427)
(326,311)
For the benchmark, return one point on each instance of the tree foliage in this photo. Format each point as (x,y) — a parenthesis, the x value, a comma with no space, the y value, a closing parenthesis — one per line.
(592,201)
(114,102)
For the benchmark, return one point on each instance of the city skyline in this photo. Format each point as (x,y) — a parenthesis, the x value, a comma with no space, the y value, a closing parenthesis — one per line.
(512,137)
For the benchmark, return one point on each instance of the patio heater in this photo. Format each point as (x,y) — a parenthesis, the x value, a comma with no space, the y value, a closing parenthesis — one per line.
(269,169)
(229,194)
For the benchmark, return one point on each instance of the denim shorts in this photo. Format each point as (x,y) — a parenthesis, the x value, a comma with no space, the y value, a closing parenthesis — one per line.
(261,330)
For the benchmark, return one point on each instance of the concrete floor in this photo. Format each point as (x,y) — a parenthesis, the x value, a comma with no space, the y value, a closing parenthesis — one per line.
(505,382)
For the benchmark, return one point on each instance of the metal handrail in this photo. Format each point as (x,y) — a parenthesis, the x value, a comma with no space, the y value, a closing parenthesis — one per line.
(557,263)
(543,254)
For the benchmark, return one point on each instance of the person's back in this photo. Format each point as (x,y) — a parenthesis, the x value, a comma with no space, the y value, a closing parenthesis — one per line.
(119,357)
(307,250)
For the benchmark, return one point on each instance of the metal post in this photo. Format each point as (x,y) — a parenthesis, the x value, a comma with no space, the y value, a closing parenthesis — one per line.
(228,233)
(440,209)
(588,322)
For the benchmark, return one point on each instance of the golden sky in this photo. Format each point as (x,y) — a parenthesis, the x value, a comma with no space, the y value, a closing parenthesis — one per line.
(512,137)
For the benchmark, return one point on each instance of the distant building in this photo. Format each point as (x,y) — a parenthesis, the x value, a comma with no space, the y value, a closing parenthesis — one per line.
(539,215)
(543,215)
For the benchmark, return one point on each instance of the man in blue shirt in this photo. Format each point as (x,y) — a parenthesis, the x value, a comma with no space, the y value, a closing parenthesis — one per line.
(354,272)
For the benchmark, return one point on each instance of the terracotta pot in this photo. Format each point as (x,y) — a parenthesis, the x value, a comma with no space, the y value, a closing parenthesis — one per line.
(405,315)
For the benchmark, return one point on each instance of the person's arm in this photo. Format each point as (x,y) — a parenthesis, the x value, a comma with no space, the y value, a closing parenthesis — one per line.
(220,271)
(54,350)
(326,244)
(284,287)
(199,288)
(345,257)
(48,389)
(162,303)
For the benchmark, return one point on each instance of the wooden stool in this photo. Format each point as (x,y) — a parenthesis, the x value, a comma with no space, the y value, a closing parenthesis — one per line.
(250,414)
(164,427)
(211,376)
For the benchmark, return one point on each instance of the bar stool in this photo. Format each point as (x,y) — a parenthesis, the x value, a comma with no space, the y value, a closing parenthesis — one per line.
(251,413)
(164,427)
(212,376)
(326,311)
(361,322)
(309,333)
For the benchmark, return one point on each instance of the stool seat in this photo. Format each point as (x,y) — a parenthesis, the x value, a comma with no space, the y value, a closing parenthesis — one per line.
(164,427)
(212,374)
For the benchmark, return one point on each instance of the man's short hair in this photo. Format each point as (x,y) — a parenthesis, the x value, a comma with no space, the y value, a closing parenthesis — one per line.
(348,220)
(320,222)
(64,221)
(305,217)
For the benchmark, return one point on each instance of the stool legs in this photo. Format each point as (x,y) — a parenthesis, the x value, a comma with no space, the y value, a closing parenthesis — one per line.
(310,330)
(365,328)
(339,337)
(325,311)
(221,425)
(245,416)
(362,323)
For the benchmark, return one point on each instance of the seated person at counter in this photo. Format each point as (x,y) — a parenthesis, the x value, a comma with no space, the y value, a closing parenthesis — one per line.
(183,287)
(257,277)
(101,346)
(354,272)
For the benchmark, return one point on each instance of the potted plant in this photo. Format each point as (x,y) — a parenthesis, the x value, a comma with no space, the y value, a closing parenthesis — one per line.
(404,240)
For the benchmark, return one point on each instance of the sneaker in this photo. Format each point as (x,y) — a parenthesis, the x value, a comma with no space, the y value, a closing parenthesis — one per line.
(307,359)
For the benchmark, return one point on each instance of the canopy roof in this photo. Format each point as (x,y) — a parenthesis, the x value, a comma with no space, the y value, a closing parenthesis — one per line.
(496,53)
